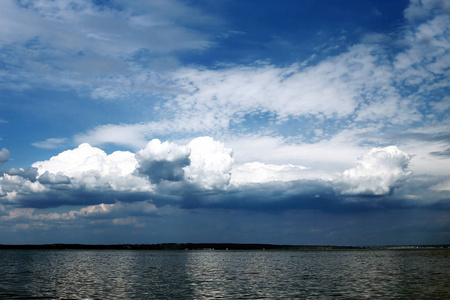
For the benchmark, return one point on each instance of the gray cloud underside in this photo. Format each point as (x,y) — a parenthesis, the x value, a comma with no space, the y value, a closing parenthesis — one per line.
(445,153)
(273,196)
(4,156)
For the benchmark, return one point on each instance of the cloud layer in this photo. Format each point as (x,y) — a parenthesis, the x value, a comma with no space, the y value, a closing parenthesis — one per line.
(200,173)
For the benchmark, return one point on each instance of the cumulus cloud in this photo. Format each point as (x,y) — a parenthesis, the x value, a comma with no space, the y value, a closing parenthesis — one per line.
(211,164)
(13,185)
(50,178)
(377,172)
(202,174)
(4,156)
(87,174)
(203,163)
(86,158)
(30,173)
(163,161)
(90,167)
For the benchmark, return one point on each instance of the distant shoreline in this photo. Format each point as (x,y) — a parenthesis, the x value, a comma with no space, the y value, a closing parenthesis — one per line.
(209,246)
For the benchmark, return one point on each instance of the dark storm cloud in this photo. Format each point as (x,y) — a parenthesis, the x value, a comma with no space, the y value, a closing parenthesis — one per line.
(318,195)
(83,197)
(416,192)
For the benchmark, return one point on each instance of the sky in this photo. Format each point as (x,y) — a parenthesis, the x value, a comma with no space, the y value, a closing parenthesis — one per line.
(285,122)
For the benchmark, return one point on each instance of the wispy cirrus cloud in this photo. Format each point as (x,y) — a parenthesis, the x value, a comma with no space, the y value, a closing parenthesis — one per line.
(51,143)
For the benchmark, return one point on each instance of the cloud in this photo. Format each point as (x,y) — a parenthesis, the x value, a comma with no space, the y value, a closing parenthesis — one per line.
(30,173)
(211,164)
(333,88)
(418,9)
(50,143)
(12,186)
(91,168)
(87,175)
(50,178)
(364,96)
(118,213)
(257,172)
(203,163)
(202,174)
(117,209)
(377,172)
(86,158)
(444,153)
(130,135)
(94,48)
(4,156)
(442,186)
(163,161)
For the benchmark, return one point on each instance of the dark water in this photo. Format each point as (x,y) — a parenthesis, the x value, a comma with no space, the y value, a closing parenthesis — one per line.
(102,274)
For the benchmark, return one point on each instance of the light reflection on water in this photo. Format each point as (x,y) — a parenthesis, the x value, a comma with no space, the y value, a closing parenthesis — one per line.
(122,274)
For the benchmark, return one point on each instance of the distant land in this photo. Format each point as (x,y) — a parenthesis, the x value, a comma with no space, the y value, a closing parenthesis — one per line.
(209,246)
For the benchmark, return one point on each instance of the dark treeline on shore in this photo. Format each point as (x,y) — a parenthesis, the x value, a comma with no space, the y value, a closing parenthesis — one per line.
(205,246)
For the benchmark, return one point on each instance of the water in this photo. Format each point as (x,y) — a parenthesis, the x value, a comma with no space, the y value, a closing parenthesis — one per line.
(123,274)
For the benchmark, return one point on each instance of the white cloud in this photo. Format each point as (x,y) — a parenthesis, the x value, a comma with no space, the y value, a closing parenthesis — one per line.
(257,172)
(92,168)
(103,29)
(356,95)
(377,172)
(333,88)
(425,61)
(423,8)
(203,164)
(50,143)
(130,135)
(327,156)
(13,185)
(211,164)
(89,47)
(86,158)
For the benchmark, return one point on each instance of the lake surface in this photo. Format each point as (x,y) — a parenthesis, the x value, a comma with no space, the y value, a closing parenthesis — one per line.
(132,274)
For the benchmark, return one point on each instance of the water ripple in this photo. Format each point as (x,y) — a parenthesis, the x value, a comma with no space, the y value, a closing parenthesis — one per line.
(103,274)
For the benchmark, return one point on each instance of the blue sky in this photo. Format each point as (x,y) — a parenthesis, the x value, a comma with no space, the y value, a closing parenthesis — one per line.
(292,122)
